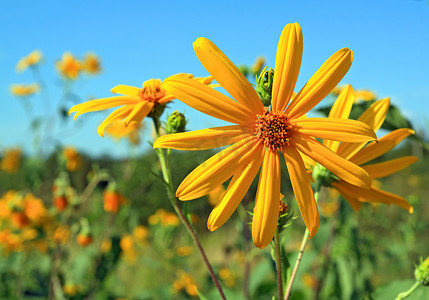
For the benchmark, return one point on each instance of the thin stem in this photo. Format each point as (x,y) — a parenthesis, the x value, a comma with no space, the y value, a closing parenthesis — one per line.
(404,295)
(278,264)
(166,173)
(300,254)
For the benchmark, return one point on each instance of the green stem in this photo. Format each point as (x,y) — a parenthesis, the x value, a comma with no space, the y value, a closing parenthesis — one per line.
(278,264)
(166,173)
(300,254)
(404,295)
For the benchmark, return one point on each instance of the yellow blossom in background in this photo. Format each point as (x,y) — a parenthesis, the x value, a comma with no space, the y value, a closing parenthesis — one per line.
(261,134)
(106,245)
(163,217)
(185,282)
(227,277)
(140,233)
(258,65)
(69,67)
(61,234)
(28,61)
(364,94)
(118,130)
(184,250)
(91,64)
(73,158)
(11,160)
(216,195)
(72,289)
(362,153)
(129,252)
(136,103)
(34,208)
(309,280)
(24,90)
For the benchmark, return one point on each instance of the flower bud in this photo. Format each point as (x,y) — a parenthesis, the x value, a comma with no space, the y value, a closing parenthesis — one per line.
(422,272)
(264,85)
(176,122)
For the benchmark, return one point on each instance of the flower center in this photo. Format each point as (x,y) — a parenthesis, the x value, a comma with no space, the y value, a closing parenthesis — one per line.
(152,90)
(273,129)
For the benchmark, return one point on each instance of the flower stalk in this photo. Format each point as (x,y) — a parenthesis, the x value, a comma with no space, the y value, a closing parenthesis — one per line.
(166,173)
(278,264)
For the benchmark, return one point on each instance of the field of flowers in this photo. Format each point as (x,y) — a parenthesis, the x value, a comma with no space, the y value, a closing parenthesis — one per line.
(318,193)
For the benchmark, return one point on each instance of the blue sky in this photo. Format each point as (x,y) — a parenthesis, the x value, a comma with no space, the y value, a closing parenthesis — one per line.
(139,40)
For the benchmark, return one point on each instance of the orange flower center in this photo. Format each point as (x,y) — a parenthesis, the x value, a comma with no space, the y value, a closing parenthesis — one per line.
(152,91)
(273,129)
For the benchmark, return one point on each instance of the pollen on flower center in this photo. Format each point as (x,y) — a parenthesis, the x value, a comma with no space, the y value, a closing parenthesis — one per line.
(273,129)
(152,90)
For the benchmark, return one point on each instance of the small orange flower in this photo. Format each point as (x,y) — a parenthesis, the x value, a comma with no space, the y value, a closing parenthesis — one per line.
(84,239)
(91,64)
(60,202)
(73,159)
(112,200)
(11,160)
(19,219)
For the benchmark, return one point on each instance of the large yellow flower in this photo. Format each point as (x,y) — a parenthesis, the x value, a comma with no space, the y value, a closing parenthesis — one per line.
(261,134)
(360,153)
(135,105)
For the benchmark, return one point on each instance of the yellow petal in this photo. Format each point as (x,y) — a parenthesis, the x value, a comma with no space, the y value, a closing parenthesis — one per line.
(101,104)
(378,196)
(126,90)
(302,189)
(288,63)
(341,110)
(266,213)
(216,170)
(382,146)
(331,161)
(321,83)
(389,167)
(348,195)
(237,189)
(203,139)
(208,100)
(116,115)
(374,116)
(140,110)
(335,129)
(227,74)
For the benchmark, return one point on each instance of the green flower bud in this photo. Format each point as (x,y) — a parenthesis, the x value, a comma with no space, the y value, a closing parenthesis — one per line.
(264,85)
(323,176)
(176,122)
(422,272)
(157,111)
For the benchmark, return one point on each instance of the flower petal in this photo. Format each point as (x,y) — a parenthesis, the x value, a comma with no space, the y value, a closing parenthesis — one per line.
(378,196)
(266,213)
(321,83)
(336,129)
(374,116)
(383,145)
(216,170)
(227,74)
(117,114)
(341,110)
(302,189)
(288,63)
(348,195)
(389,167)
(208,100)
(101,104)
(334,163)
(126,90)
(237,189)
(139,112)
(203,139)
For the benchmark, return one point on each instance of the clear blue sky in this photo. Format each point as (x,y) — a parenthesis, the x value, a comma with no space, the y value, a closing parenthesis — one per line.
(139,40)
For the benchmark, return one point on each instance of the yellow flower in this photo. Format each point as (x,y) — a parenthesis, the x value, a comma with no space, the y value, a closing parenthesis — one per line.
(61,234)
(24,90)
(186,282)
(261,134)
(135,105)
(226,275)
(91,64)
(184,250)
(11,160)
(362,153)
(140,233)
(258,65)
(106,245)
(73,159)
(28,61)
(69,67)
